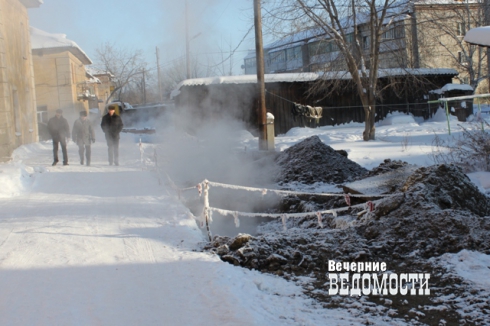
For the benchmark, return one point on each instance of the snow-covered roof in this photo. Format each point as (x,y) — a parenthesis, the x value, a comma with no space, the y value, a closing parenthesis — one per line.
(304,77)
(452,87)
(246,79)
(478,36)
(32,3)
(444,2)
(98,72)
(461,87)
(393,72)
(43,40)
(91,78)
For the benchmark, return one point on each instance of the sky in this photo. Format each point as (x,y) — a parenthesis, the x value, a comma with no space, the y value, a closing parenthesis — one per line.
(105,245)
(145,25)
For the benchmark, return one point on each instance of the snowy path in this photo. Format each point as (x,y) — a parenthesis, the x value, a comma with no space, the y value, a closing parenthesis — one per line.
(105,245)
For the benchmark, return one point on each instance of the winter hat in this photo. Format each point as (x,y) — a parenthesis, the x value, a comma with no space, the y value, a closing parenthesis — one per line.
(83,113)
(112,107)
(59,111)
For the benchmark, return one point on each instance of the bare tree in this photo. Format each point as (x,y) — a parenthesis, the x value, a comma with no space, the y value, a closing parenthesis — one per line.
(442,27)
(175,71)
(355,28)
(125,65)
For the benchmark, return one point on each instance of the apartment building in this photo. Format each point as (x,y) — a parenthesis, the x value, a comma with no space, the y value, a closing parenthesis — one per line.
(17,93)
(420,34)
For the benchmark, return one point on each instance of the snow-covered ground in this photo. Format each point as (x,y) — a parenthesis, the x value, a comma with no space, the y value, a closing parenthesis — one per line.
(105,245)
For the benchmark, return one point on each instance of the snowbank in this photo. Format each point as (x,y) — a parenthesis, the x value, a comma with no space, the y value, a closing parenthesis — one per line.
(397,118)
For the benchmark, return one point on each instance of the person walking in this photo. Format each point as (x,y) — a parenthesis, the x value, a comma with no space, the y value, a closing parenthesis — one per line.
(112,125)
(83,135)
(59,130)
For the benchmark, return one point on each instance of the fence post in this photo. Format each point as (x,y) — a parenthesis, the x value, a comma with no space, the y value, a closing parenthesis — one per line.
(447,117)
(141,155)
(156,166)
(479,112)
(205,210)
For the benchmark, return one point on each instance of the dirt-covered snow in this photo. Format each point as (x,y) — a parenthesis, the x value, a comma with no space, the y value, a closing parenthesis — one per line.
(433,212)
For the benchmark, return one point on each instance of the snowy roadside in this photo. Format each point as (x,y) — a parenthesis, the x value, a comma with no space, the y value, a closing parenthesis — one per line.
(108,245)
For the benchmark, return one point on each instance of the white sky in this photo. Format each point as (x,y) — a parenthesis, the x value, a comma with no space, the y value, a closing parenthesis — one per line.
(146,25)
(105,245)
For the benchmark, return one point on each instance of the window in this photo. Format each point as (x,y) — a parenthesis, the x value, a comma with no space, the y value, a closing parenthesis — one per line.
(399,31)
(277,57)
(318,47)
(23,33)
(393,33)
(250,63)
(42,114)
(293,53)
(461,29)
(460,57)
(365,42)
(15,97)
(389,34)
(349,38)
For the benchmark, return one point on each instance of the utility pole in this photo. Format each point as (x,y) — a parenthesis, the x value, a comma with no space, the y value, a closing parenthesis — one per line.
(159,77)
(144,87)
(259,50)
(231,59)
(486,4)
(187,58)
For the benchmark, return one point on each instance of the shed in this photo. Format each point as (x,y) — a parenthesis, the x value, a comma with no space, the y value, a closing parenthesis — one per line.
(235,97)
(460,108)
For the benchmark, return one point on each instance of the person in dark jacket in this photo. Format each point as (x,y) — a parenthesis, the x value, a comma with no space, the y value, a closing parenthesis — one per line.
(59,130)
(83,135)
(112,126)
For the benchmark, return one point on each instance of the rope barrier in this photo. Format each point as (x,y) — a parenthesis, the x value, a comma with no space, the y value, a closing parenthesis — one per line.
(369,207)
(332,211)
(206,215)
(217,184)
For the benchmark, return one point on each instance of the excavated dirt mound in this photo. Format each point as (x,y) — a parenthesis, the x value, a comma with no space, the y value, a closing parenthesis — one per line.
(387,166)
(437,211)
(312,161)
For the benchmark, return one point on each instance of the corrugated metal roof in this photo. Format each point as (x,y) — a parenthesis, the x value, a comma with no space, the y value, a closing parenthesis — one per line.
(305,77)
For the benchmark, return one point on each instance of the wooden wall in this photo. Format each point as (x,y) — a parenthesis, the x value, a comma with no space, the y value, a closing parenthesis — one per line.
(239,101)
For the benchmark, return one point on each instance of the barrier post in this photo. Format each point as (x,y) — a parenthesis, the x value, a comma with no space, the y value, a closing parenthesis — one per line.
(270,132)
(141,155)
(205,211)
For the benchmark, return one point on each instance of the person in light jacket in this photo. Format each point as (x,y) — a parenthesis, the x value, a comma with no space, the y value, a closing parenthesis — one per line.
(59,130)
(112,125)
(83,135)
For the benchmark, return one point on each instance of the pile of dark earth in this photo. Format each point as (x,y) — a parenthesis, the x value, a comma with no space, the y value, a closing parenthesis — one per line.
(312,161)
(436,210)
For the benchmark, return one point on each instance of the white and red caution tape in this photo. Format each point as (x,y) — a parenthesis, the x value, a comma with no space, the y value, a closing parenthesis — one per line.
(287,192)
(319,215)
(347,199)
(204,188)
(237,221)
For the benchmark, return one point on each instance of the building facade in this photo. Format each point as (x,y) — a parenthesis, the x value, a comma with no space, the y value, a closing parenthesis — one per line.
(60,75)
(428,34)
(18,123)
(105,86)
